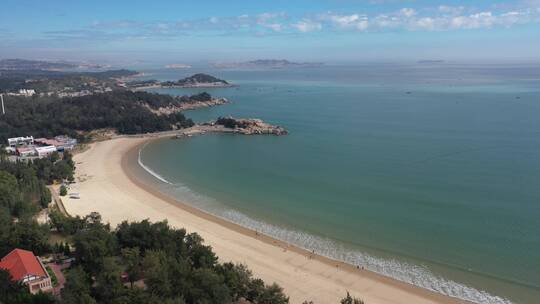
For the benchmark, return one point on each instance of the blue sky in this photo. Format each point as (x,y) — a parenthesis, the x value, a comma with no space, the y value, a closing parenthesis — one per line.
(324,30)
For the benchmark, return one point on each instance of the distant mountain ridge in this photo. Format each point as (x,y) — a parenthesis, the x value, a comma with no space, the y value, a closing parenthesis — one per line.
(266,63)
(23,64)
(42,65)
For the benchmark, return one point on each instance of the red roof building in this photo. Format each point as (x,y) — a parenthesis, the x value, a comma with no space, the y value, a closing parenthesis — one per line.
(26,268)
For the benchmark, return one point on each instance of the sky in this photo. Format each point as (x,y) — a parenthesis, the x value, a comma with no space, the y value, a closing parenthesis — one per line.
(177,31)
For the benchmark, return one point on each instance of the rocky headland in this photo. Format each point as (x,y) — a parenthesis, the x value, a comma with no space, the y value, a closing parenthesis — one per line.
(188,104)
(195,81)
(244,126)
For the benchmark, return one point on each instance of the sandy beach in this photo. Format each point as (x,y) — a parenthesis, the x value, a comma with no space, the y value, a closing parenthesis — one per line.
(107,183)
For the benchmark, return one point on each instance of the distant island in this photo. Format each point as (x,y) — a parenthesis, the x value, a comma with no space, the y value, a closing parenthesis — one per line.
(177,66)
(22,64)
(430,61)
(265,63)
(195,81)
(30,65)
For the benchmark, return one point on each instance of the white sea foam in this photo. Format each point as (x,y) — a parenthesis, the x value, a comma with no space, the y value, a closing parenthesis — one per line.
(147,169)
(406,272)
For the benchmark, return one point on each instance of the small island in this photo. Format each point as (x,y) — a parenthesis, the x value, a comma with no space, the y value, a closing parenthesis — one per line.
(195,81)
(249,126)
(243,126)
(178,66)
(265,64)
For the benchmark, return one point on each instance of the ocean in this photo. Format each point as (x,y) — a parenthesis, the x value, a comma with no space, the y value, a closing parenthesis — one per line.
(428,173)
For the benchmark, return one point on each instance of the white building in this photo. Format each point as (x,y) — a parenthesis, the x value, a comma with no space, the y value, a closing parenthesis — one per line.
(27,93)
(16,141)
(45,151)
(24,92)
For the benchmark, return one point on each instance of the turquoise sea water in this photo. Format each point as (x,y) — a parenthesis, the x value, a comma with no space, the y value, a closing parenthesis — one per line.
(426,173)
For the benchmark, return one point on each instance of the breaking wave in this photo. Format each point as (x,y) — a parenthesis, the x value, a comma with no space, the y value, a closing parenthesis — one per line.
(147,169)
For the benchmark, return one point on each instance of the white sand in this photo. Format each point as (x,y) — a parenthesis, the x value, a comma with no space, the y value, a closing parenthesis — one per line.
(106,188)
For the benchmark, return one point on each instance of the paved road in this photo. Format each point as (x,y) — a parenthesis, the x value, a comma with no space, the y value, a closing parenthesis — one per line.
(57,200)
(57,269)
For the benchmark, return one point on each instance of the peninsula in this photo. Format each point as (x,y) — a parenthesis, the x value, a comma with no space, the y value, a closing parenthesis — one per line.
(242,126)
(195,81)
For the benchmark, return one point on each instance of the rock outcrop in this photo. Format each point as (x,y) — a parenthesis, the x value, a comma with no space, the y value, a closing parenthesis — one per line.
(188,105)
(250,126)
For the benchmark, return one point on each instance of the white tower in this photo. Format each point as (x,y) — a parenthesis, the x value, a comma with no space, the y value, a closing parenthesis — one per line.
(3,109)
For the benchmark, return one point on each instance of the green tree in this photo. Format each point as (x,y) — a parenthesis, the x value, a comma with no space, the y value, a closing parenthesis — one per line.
(200,255)
(27,234)
(63,190)
(237,278)
(9,189)
(208,287)
(66,224)
(66,250)
(77,287)
(156,274)
(109,286)
(132,259)
(92,245)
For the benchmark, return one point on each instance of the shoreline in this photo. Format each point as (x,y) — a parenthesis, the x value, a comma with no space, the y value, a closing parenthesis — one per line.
(302,274)
(201,86)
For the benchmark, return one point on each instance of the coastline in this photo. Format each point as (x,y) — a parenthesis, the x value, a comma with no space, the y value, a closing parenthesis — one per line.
(194,86)
(109,180)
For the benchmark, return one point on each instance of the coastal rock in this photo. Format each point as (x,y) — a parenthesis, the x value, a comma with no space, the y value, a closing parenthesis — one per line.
(250,126)
(188,105)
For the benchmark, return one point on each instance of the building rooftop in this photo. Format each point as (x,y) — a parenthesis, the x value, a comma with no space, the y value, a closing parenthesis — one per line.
(21,263)
(25,149)
(49,142)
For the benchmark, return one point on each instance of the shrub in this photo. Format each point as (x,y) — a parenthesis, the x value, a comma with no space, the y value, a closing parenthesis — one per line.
(63,190)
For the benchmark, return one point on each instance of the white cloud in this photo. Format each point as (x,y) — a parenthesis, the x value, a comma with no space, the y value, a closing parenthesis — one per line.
(353,21)
(407,12)
(451,10)
(271,21)
(307,25)
(425,23)
(441,18)
(276,27)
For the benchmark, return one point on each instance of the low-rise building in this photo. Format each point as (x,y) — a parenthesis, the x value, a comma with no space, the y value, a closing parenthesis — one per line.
(61,143)
(26,151)
(26,268)
(45,151)
(24,92)
(16,141)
